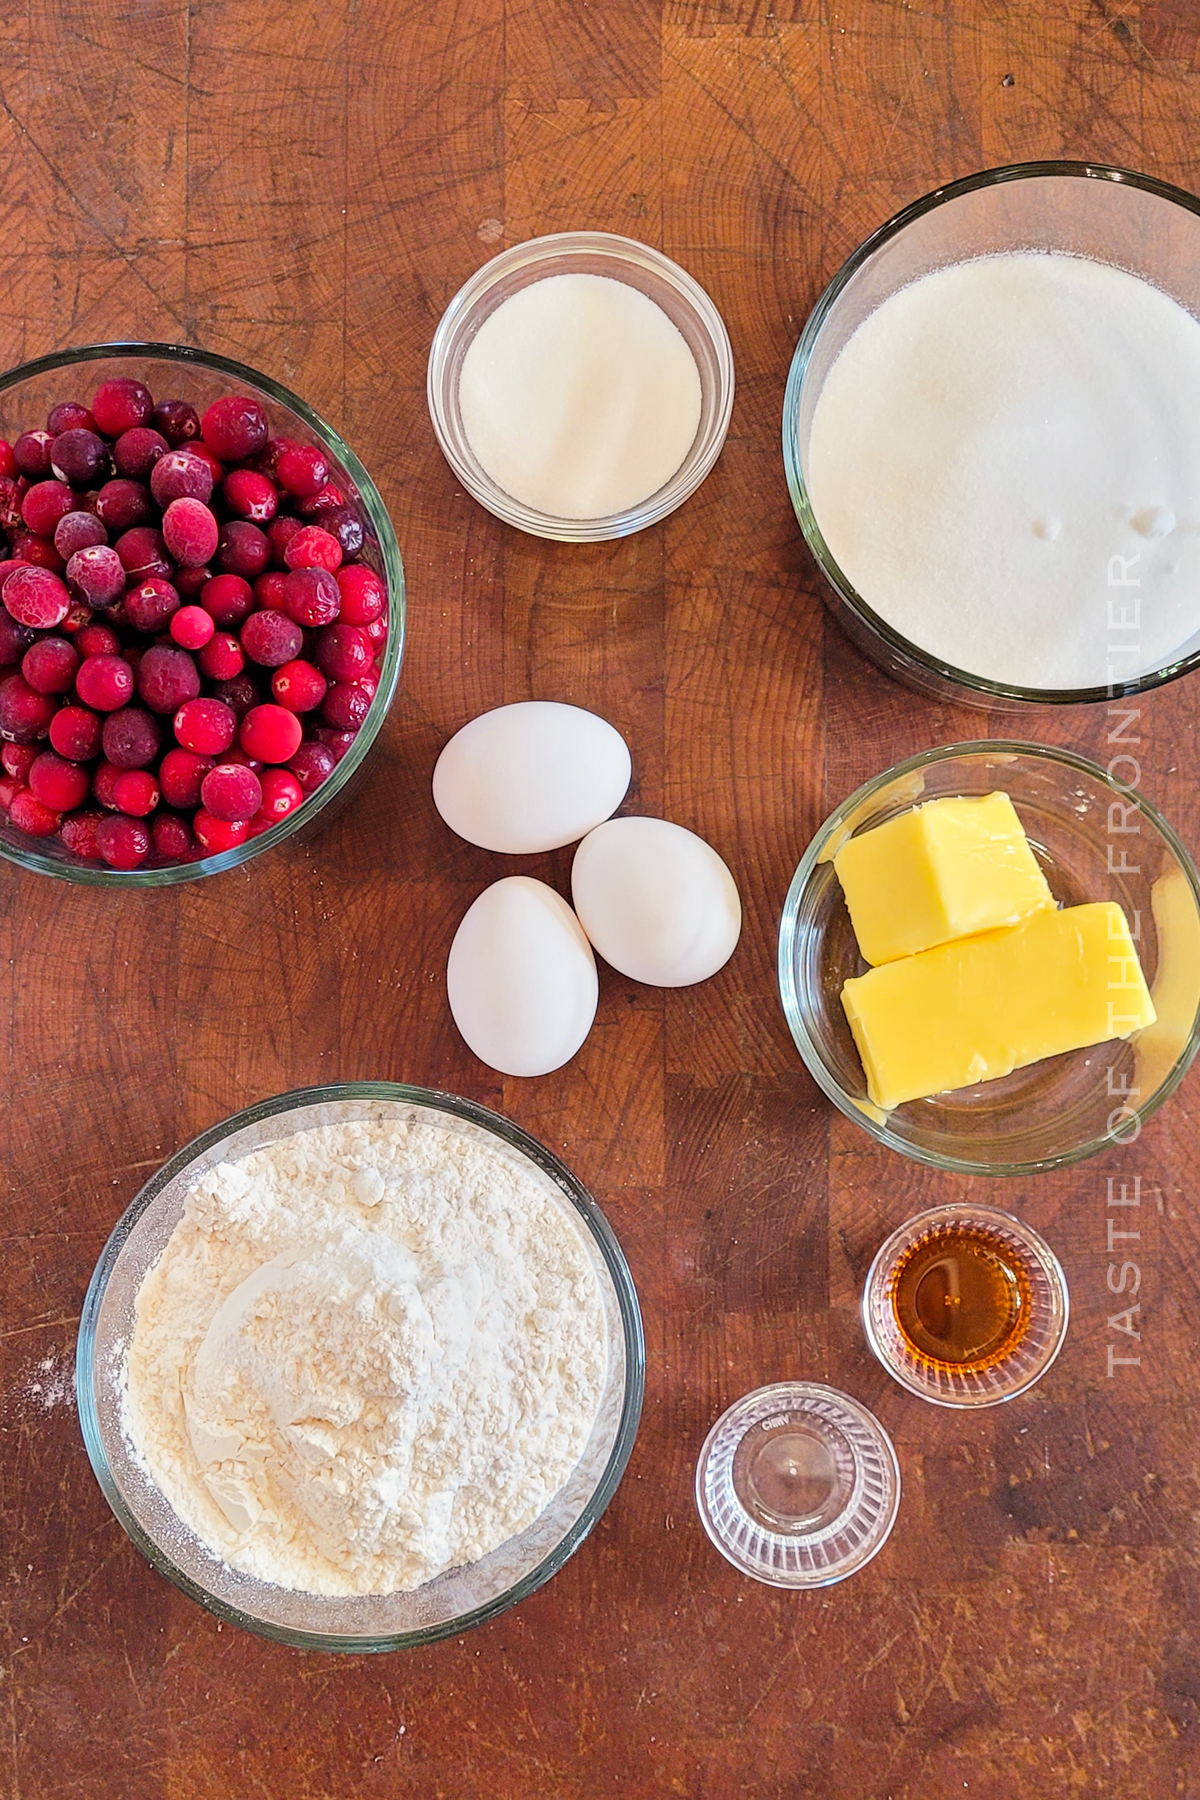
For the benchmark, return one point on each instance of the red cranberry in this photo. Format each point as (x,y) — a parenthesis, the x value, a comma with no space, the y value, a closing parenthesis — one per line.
(105,682)
(135,792)
(338,742)
(14,640)
(239,693)
(181,475)
(45,503)
(216,835)
(121,504)
(238,755)
(280,533)
(215,467)
(10,787)
(57,783)
(97,640)
(311,597)
(167,679)
(189,531)
(230,791)
(177,420)
(222,657)
(28,547)
(344,652)
(181,775)
(31,453)
(268,590)
(345,706)
(78,833)
(281,794)
(190,582)
(377,631)
(79,457)
(172,838)
(298,686)
(96,576)
(228,598)
(8,462)
(131,738)
(124,843)
(242,549)
(271,638)
(150,604)
(11,495)
(135,452)
(205,726)
(68,415)
(18,759)
(31,815)
(325,500)
(119,405)
(78,531)
(234,428)
(36,597)
(142,552)
(50,665)
(249,495)
(313,548)
(75,733)
(302,469)
(104,782)
(364,596)
(79,615)
(270,733)
(191,627)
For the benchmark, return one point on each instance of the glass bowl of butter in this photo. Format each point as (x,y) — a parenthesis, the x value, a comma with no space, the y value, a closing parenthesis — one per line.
(989,957)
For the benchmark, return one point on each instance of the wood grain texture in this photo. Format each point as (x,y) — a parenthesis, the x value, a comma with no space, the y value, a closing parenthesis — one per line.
(305,186)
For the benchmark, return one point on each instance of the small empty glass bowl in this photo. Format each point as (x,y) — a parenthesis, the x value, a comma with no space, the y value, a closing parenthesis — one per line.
(1082,209)
(455,1600)
(583,253)
(1066,1107)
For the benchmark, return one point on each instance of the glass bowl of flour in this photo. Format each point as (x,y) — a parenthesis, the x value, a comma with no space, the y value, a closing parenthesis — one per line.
(992,437)
(360,1367)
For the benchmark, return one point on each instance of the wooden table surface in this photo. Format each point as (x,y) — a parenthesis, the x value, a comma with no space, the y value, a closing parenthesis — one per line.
(305,186)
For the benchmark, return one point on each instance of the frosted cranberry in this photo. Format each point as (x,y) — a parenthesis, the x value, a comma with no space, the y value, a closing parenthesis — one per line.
(31,453)
(78,833)
(344,652)
(239,693)
(135,792)
(45,503)
(222,657)
(191,627)
(249,495)
(28,547)
(105,682)
(8,462)
(78,531)
(364,596)
(337,742)
(190,531)
(36,597)
(271,638)
(68,415)
(345,525)
(122,504)
(242,549)
(104,782)
(131,738)
(97,640)
(78,456)
(312,548)
(143,552)
(281,794)
(58,783)
(302,469)
(298,686)
(234,428)
(345,706)
(325,500)
(205,726)
(18,759)
(311,597)
(181,475)
(150,604)
(270,733)
(178,421)
(124,843)
(33,816)
(75,733)
(228,598)
(135,452)
(216,835)
(172,838)
(231,791)
(167,678)
(280,533)
(96,576)
(14,640)
(50,665)
(119,405)
(181,775)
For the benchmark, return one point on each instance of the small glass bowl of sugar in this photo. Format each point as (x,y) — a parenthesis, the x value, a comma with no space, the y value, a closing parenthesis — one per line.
(580,386)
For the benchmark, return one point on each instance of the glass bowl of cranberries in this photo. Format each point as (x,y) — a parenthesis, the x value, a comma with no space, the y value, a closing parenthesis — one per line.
(201,615)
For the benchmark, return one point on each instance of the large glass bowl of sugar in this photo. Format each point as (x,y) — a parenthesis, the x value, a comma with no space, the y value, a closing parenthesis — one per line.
(991,434)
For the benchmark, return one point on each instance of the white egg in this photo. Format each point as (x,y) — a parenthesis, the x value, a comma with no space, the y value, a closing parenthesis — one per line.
(521,978)
(531,776)
(656,901)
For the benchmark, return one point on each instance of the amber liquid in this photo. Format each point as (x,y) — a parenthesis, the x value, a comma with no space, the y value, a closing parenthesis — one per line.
(961,1298)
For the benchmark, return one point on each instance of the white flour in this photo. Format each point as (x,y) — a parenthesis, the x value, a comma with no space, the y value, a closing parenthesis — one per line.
(368,1353)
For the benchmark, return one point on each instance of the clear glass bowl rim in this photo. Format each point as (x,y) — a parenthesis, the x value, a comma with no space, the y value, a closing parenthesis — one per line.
(787,933)
(798,489)
(546,249)
(591,1217)
(90,875)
